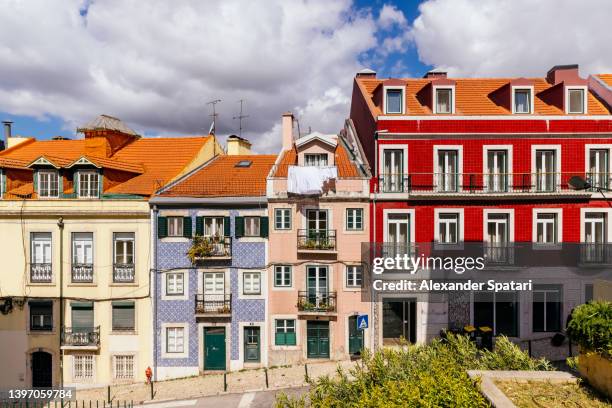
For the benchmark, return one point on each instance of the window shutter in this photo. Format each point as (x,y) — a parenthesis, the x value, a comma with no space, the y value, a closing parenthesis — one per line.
(60,183)
(239,229)
(227,227)
(263,227)
(75,183)
(162,227)
(187,227)
(290,339)
(123,315)
(280,339)
(199,226)
(35,181)
(82,316)
(100,183)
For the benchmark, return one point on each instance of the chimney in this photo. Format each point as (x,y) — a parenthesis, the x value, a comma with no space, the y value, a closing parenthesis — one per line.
(560,73)
(237,145)
(287,130)
(435,74)
(366,73)
(7,131)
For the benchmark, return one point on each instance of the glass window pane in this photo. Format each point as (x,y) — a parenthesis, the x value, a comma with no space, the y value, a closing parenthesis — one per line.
(394,101)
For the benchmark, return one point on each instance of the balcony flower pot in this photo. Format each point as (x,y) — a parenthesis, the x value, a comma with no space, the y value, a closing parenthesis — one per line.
(201,247)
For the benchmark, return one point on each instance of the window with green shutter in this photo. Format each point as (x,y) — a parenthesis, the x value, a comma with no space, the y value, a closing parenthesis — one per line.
(123,316)
(199,226)
(263,227)
(239,228)
(226,227)
(284,332)
(162,227)
(187,227)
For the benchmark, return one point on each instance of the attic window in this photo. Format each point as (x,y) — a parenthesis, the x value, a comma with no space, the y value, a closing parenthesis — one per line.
(393,101)
(315,159)
(522,101)
(576,101)
(444,100)
(244,163)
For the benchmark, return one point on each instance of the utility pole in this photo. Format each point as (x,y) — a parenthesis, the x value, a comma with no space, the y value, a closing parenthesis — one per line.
(240,117)
(214,116)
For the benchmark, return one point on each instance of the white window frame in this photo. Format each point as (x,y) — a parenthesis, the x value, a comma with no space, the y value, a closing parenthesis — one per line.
(2,183)
(587,156)
(83,377)
(435,99)
(485,218)
(460,212)
(252,222)
(412,221)
(282,211)
(216,228)
(608,227)
(459,149)
(403,99)
(116,358)
(40,173)
(286,269)
(177,223)
(354,211)
(351,282)
(381,157)
(317,158)
(531,99)
(585,98)
(485,159)
(557,149)
(164,333)
(298,331)
(117,237)
(546,291)
(249,284)
(172,281)
(33,240)
(88,174)
(559,218)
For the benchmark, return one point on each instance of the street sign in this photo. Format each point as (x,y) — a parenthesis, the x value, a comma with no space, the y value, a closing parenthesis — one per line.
(362,322)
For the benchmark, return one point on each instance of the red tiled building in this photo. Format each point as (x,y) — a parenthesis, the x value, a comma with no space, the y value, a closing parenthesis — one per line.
(486,160)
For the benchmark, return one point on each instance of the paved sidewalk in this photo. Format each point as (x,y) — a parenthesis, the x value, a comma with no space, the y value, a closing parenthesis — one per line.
(212,384)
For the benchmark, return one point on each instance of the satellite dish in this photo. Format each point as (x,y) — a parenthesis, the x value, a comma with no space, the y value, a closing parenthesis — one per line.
(578,183)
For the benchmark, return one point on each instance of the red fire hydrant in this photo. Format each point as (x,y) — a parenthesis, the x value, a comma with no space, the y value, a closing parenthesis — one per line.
(149,374)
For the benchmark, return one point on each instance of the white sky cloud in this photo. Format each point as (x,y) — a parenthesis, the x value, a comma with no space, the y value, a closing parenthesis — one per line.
(155,64)
(514,37)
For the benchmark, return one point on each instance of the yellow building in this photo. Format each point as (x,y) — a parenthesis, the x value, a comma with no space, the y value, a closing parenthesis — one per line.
(75,244)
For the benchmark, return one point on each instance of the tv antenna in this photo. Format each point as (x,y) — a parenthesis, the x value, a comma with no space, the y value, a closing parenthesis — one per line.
(240,117)
(214,116)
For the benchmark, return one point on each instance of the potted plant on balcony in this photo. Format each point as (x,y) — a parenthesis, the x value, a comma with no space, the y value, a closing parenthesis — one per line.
(201,247)
(304,304)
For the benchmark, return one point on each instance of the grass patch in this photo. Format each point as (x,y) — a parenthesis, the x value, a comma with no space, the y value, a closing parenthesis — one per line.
(539,394)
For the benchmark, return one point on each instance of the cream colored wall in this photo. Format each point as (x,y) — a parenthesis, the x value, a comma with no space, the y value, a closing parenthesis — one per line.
(210,149)
(102,218)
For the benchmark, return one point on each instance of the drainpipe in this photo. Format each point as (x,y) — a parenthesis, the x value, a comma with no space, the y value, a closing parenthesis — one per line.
(60,224)
(373,217)
(153,286)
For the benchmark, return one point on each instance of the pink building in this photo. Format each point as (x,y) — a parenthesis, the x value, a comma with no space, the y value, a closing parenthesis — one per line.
(319,216)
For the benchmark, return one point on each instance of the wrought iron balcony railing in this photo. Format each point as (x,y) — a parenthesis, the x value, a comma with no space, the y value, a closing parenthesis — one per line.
(213,303)
(123,272)
(81,336)
(41,272)
(595,254)
(316,240)
(487,183)
(82,272)
(316,301)
(208,247)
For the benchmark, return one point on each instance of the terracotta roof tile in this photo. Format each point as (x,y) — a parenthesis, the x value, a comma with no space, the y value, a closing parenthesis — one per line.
(221,178)
(473,97)
(607,78)
(346,167)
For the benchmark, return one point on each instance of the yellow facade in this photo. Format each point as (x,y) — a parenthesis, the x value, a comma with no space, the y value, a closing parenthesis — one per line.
(101,218)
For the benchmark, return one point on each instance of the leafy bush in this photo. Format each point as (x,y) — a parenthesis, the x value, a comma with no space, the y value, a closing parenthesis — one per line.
(591,327)
(432,375)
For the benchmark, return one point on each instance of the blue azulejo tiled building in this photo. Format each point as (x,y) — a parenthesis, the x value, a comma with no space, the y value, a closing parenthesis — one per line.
(211,232)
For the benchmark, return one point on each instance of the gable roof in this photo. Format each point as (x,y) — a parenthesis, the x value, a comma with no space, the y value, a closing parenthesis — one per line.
(222,178)
(346,167)
(473,96)
(331,140)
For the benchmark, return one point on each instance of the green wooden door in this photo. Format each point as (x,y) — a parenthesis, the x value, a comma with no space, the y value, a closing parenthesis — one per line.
(251,345)
(214,348)
(355,336)
(317,339)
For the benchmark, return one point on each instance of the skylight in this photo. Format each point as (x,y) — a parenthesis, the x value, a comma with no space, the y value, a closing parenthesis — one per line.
(244,163)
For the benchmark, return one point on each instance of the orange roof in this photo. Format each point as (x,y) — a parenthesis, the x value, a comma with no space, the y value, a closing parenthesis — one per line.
(222,178)
(607,78)
(346,167)
(155,161)
(473,97)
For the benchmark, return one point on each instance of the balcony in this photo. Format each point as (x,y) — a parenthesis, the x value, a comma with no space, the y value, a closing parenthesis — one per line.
(81,338)
(486,184)
(595,254)
(210,247)
(212,305)
(311,240)
(82,273)
(123,273)
(499,254)
(316,302)
(41,272)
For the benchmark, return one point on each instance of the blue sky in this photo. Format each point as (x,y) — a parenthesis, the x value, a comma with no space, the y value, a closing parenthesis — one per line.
(156,64)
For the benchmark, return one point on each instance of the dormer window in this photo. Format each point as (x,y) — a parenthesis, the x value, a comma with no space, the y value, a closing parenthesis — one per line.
(576,100)
(444,100)
(89,184)
(394,101)
(315,159)
(48,184)
(522,101)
